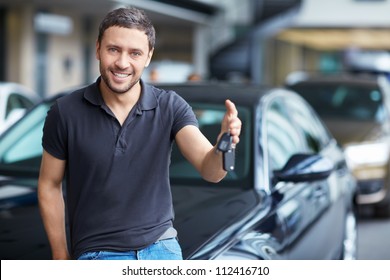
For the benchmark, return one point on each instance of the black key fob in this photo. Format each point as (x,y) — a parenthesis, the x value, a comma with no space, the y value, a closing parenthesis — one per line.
(228,159)
(228,153)
(224,143)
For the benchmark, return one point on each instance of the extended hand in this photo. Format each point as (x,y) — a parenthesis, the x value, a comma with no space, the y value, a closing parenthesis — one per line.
(231,123)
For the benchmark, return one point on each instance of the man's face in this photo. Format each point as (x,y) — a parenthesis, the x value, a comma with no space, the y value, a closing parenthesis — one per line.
(123,54)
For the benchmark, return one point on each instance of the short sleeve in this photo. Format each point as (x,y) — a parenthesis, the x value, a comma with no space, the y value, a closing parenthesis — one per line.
(183,115)
(54,135)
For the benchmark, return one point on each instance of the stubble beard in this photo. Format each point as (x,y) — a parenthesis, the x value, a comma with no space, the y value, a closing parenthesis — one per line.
(111,87)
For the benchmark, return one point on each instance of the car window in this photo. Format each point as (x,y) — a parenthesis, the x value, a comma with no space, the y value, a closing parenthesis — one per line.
(358,102)
(283,140)
(209,118)
(17,101)
(21,146)
(315,135)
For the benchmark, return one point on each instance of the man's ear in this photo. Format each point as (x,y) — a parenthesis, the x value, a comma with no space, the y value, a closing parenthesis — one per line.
(150,54)
(97,50)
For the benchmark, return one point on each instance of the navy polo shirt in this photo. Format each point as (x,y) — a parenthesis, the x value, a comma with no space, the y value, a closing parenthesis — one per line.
(117,177)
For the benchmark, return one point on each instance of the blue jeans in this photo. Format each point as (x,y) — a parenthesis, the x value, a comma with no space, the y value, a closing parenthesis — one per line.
(167,249)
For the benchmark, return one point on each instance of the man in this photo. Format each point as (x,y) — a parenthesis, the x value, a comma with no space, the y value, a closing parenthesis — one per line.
(111,142)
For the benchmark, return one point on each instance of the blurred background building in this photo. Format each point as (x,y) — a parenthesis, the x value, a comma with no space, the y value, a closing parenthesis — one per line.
(50,45)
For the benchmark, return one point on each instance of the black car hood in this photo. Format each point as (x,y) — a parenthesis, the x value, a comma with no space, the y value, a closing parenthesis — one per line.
(22,236)
(17,192)
(204,213)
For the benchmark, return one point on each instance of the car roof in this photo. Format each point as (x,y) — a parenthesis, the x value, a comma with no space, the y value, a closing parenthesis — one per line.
(8,87)
(242,94)
(210,92)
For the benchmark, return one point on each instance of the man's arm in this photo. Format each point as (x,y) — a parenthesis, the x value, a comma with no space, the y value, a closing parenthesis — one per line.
(51,203)
(198,150)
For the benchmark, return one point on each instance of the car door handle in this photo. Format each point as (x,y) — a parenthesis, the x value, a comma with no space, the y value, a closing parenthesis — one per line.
(318,192)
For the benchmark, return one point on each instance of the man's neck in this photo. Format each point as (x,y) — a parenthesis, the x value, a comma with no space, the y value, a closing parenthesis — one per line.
(121,103)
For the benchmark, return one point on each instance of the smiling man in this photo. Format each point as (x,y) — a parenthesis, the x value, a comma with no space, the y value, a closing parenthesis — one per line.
(111,143)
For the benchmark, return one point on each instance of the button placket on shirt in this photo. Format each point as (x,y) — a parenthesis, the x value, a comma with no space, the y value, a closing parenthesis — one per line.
(121,140)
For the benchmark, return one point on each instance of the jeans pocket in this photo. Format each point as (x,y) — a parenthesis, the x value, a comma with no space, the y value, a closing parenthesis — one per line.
(171,245)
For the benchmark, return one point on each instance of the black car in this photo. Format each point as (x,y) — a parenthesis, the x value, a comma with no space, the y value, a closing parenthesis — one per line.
(356,109)
(290,196)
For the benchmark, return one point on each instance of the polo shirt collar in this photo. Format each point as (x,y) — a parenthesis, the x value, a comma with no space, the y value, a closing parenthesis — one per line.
(147,101)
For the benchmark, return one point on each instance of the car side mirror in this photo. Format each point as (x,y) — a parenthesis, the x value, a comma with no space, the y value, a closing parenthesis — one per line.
(304,168)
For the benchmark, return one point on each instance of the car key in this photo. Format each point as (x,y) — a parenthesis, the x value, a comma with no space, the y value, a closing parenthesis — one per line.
(228,159)
(225,146)
(225,142)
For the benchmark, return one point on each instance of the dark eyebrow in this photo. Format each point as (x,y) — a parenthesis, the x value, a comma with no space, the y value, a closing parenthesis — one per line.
(118,47)
(113,46)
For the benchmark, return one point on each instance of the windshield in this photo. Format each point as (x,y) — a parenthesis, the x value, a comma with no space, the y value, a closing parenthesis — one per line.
(356,102)
(21,146)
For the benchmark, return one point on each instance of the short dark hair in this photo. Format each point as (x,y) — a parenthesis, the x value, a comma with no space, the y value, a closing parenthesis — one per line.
(128,17)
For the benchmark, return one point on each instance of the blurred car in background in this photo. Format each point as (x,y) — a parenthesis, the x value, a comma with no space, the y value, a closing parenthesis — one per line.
(290,195)
(368,61)
(168,71)
(356,109)
(15,100)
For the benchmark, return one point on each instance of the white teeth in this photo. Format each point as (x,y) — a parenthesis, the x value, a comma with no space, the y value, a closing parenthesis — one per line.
(121,75)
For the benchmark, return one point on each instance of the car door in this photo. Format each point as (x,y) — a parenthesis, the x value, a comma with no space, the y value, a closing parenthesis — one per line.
(299,205)
(331,209)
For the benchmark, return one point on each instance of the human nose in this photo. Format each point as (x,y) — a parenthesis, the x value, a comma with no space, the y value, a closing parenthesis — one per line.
(122,61)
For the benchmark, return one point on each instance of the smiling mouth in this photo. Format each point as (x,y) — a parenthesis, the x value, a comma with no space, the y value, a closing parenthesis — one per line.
(121,75)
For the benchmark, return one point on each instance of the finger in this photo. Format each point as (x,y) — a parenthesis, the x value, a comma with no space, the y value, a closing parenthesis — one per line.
(235,141)
(235,133)
(235,125)
(231,108)
(235,130)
